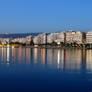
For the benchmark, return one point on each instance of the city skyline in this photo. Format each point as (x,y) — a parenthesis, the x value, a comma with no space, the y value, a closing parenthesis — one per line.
(45,45)
(47,15)
(45,38)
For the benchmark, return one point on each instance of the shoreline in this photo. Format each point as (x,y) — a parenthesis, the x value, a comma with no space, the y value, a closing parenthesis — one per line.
(46,47)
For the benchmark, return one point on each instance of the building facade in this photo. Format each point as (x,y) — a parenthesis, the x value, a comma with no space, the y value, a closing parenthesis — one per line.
(89,37)
(24,40)
(40,39)
(56,37)
(19,40)
(72,36)
(5,40)
(28,39)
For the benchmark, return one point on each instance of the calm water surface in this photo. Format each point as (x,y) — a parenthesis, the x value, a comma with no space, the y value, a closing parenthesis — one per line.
(45,70)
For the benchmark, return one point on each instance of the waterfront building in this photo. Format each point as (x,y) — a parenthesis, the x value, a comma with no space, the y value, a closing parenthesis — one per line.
(56,37)
(72,36)
(5,40)
(17,37)
(24,40)
(28,39)
(40,39)
(89,37)
(19,40)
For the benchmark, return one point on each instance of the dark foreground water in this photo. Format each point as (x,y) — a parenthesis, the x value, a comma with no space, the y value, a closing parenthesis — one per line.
(45,70)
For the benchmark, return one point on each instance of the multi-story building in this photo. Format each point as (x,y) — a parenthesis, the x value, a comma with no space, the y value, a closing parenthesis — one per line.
(5,40)
(56,37)
(89,37)
(28,39)
(73,36)
(19,40)
(24,40)
(40,39)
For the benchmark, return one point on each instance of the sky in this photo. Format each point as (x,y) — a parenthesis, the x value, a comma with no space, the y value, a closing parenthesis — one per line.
(45,15)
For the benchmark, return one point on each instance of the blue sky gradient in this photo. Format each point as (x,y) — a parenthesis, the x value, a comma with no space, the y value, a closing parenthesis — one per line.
(45,15)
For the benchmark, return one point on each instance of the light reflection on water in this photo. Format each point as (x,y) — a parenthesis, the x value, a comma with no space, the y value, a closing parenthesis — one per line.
(64,59)
(67,70)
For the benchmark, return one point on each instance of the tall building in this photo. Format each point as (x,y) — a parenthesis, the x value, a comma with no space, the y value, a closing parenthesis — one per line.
(72,36)
(28,39)
(89,37)
(56,37)
(40,39)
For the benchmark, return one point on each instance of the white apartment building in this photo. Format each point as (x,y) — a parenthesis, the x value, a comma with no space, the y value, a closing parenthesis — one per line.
(20,40)
(23,40)
(5,40)
(89,37)
(40,39)
(72,36)
(28,39)
(56,37)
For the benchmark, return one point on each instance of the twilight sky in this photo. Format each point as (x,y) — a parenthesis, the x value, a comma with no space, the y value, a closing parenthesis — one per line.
(45,15)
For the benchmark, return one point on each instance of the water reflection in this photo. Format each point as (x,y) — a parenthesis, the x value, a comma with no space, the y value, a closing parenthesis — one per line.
(64,59)
(73,59)
(8,55)
(89,60)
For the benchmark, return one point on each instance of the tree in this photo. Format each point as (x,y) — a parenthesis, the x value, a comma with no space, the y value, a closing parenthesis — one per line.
(54,43)
(32,43)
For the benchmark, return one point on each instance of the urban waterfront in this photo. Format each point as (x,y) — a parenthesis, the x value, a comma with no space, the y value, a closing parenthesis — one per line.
(36,69)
